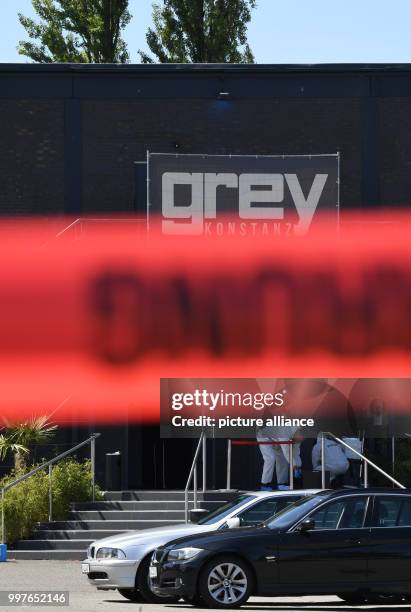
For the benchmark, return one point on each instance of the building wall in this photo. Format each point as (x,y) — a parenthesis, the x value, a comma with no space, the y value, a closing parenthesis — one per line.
(118,132)
(31,156)
(70,134)
(395,146)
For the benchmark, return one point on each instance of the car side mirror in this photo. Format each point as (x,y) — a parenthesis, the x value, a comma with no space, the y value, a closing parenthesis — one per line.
(234,522)
(306,525)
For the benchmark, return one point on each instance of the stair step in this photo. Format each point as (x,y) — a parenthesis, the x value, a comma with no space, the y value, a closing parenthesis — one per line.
(119,525)
(165,516)
(118,512)
(49,555)
(52,545)
(75,534)
(147,506)
(164,495)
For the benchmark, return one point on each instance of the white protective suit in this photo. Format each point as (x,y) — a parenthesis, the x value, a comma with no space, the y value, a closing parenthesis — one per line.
(336,462)
(277,455)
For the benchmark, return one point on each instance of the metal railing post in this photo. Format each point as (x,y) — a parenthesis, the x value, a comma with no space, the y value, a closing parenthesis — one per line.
(228,465)
(3,521)
(322,460)
(291,464)
(365,475)
(393,454)
(50,495)
(204,462)
(190,476)
(195,487)
(93,467)
(186,506)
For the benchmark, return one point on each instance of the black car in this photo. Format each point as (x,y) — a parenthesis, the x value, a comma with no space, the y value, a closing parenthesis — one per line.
(352,543)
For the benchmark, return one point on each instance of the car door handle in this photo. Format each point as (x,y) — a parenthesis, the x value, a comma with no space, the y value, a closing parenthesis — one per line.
(353,541)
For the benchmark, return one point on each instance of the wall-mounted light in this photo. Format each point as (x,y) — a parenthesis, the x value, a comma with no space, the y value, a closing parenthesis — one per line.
(224,95)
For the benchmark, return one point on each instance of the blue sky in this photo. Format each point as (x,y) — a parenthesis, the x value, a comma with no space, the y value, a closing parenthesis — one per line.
(282,31)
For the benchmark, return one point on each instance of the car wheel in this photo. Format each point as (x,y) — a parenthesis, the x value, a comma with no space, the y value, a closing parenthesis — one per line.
(131,595)
(143,585)
(225,582)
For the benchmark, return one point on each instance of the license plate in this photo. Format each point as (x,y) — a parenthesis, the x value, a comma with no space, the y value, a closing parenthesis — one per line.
(85,568)
(153,572)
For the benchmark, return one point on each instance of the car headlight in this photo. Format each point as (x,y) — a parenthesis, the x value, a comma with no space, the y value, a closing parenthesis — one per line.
(110,553)
(183,554)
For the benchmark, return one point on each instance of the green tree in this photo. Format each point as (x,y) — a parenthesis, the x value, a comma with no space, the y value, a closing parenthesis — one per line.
(18,438)
(83,31)
(200,31)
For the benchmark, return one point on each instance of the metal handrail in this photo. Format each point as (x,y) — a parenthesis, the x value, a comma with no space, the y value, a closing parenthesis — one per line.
(68,227)
(48,464)
(193,471)
(80,220)
(367,462)
(360,455)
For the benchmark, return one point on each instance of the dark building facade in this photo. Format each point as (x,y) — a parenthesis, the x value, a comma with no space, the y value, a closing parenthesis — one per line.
(70,136)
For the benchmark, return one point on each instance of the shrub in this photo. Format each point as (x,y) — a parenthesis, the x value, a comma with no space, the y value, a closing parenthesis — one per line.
(71,482)
(28,502)
(403,461)
(381,455)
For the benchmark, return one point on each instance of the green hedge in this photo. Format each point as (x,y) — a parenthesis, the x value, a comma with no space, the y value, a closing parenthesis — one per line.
(381,455)
(27,503)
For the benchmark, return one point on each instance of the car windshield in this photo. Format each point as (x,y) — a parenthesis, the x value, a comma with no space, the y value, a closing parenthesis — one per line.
(296,511)
(227,508)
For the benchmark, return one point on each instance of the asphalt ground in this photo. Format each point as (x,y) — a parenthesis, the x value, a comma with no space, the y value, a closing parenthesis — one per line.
(66,576)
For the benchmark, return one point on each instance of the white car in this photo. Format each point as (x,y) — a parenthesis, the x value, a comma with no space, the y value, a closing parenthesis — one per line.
(122,561)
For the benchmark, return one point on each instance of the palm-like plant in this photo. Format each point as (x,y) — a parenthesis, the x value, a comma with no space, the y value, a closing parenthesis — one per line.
(20,436)
(18,450)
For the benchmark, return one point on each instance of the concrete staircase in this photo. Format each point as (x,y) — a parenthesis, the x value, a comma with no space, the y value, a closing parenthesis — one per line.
(119,511)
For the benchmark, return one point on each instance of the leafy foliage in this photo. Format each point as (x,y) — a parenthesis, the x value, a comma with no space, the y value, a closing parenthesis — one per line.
(381,455)
(18,438)
(200,31)
(27,503)
(8,446)
(402,462)
(83,31)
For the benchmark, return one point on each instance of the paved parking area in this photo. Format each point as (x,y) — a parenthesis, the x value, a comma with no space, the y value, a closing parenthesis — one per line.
(65,575)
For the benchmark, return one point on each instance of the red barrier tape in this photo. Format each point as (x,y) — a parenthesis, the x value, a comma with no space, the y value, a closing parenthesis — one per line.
(92,325)
(251,443)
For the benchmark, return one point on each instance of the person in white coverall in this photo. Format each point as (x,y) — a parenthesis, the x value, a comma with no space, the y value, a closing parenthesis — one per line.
(336,462)
(277,455)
